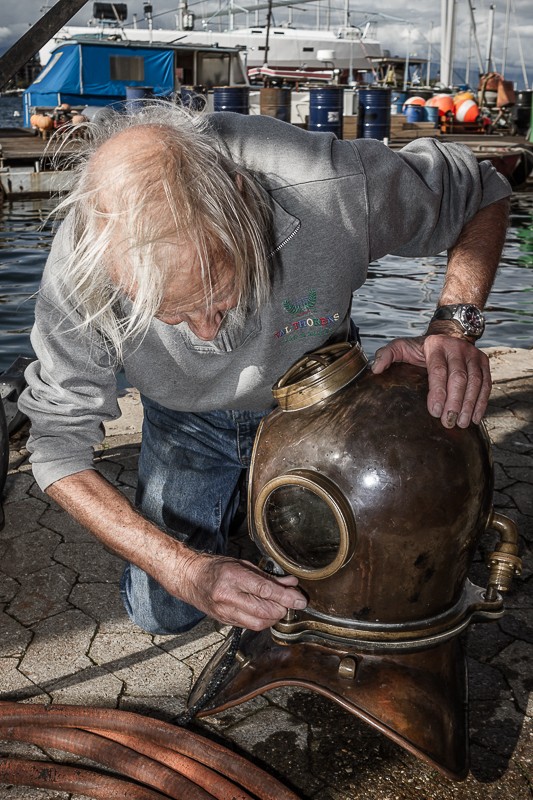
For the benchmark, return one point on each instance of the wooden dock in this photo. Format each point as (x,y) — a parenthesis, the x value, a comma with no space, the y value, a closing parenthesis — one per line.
(27,167)
(29,170)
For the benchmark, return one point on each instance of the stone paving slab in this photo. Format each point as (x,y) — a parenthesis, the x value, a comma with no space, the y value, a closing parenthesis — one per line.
(65,638)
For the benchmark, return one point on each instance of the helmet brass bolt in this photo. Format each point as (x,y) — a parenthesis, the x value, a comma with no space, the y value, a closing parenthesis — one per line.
(347,667)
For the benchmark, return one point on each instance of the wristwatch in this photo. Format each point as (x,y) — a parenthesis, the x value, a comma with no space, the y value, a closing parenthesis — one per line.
(469,317)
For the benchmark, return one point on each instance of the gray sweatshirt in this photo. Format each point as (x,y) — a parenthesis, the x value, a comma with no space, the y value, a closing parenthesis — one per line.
(337,205)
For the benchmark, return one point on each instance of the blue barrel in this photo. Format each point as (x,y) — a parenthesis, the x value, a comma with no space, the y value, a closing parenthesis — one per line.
(326,106)
(136,97)
(373,116)
(232,98)
(414,113)
(397,101)
(431,114)
(194,97)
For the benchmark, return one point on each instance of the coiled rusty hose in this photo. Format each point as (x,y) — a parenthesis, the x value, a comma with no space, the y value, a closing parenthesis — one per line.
(158,760)
(72,779)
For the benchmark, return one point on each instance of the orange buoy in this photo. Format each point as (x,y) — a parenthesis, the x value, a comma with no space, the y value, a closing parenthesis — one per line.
(460,97)
(444,102)
(466,110)
(43,122)
(415,101)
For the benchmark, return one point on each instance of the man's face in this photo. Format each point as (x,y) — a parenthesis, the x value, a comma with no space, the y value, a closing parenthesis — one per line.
(188,297)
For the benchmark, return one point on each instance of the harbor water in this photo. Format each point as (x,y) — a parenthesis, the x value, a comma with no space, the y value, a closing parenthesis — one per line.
(397,299)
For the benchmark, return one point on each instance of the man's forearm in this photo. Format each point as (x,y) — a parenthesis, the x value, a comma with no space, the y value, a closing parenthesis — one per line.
(93,502)
(458,373)
(232,591)
(474,259)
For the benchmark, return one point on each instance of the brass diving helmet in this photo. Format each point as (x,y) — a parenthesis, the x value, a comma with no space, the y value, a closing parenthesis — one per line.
(378,510)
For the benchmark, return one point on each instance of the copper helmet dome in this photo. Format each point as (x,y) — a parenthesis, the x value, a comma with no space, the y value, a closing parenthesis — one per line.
(377,509)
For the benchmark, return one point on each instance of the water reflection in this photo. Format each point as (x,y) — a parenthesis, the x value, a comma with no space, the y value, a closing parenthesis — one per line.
(522,228)
(398,298)
(24,246)
(400,294)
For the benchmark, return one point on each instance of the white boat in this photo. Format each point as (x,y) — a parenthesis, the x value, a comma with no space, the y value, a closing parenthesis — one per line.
(348,50)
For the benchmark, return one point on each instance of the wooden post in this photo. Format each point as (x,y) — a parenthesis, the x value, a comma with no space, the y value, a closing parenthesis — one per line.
(37,36)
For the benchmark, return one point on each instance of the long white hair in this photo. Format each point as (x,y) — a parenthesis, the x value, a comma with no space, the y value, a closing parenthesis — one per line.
(184,187)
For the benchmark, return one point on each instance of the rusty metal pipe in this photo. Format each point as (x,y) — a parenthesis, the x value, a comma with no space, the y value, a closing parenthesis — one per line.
(219,786)
(59,777)
(113,755)
(206,752)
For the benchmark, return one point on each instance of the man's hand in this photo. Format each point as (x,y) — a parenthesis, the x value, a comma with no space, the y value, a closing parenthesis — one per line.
(237,592)
(234,592)
(458,375)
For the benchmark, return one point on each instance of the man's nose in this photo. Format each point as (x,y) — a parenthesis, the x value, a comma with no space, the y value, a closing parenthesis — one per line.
(206,327)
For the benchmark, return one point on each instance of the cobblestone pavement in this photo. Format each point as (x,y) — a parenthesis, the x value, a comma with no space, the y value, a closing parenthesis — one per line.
(65,638)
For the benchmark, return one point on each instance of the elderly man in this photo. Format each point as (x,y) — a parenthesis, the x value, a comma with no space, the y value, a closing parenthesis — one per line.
(204,255)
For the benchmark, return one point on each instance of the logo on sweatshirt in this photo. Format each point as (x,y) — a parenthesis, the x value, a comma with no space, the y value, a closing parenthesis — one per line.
(305,320)
(301,306)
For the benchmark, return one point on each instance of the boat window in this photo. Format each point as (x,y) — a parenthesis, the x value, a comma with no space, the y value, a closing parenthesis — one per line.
(308,49)
(184,67)
(126,68)
(213,70)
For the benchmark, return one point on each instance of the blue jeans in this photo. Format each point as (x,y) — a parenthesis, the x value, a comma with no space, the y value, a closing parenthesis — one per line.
(189,472)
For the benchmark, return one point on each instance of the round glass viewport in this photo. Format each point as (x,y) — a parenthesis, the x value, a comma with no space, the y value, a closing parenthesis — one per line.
(302,524)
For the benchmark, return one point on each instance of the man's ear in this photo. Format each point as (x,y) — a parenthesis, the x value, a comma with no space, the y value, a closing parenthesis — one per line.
(238,181)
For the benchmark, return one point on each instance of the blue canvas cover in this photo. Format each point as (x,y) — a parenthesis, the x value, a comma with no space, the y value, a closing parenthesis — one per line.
(96,69)
(61,76)
(80,73)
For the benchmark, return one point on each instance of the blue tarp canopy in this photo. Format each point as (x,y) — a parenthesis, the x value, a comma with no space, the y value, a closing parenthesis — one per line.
(82,73)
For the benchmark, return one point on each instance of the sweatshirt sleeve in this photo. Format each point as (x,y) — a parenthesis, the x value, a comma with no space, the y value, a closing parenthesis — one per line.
(71,388)
(421,197)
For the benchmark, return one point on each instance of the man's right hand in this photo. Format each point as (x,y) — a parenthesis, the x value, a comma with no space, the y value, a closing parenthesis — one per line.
(231,591)
(237,592)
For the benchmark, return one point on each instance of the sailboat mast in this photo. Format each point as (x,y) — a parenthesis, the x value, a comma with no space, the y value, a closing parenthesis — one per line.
(447,15)
(488,60)
(269,23)
(474,32)
(506,36)
(428,73)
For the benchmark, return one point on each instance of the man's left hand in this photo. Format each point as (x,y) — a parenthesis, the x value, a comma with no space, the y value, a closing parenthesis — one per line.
(458,375)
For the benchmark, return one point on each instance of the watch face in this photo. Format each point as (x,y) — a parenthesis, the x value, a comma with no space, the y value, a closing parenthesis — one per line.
(471,318)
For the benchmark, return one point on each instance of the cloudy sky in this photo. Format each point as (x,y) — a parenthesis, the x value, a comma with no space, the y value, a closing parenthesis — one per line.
(402,25)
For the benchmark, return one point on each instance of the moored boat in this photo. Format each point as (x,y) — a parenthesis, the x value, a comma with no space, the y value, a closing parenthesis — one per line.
(82,73)
(345,50)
